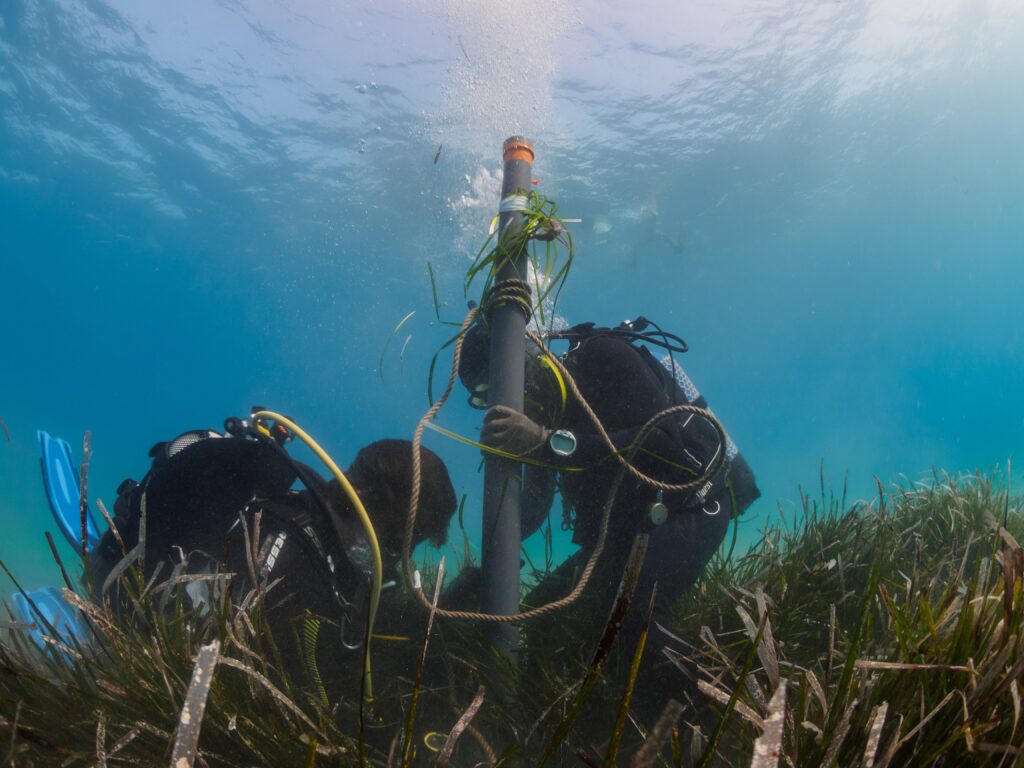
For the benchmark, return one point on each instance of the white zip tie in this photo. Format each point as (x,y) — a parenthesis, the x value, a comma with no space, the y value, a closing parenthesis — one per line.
(416,583)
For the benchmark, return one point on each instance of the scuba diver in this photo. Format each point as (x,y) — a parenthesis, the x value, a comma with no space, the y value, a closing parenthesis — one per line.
(625,386)
(223,508)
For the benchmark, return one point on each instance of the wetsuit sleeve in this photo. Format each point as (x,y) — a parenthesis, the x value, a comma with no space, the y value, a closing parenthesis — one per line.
(591,449)
(622,389)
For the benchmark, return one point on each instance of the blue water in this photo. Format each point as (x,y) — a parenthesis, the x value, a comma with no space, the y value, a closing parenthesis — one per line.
(206,206)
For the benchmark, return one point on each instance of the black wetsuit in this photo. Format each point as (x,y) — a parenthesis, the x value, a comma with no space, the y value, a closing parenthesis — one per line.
(623,385)
(196,498)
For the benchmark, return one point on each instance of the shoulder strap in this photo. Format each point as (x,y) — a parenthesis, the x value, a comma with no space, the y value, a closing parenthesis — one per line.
(303,523)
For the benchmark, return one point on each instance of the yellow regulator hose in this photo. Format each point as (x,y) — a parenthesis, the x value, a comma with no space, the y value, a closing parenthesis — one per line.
(371,535)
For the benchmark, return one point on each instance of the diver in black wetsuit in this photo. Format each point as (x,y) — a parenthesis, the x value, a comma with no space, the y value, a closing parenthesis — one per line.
(202,499)
(625,386)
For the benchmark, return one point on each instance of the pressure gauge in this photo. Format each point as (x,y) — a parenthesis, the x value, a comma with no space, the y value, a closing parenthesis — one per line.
(562,442)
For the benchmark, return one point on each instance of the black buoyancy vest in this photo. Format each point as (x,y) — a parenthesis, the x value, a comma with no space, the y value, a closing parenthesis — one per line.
(197,488)
(698,441)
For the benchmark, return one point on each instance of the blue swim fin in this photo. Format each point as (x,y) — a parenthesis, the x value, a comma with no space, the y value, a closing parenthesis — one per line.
(55,610)
(60,478)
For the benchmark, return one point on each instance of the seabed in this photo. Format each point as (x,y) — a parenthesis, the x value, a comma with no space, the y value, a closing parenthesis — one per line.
(881,633)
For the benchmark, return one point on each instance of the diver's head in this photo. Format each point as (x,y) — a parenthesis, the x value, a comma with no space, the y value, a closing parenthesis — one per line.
(382,476)
(542,392)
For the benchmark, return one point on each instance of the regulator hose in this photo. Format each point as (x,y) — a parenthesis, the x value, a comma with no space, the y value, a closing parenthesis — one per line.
(364,518)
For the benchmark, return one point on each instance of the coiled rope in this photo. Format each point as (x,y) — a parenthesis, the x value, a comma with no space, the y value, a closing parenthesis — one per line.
(510,291)
(625,463)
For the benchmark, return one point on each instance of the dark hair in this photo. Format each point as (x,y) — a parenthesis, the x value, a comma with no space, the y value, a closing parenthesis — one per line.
(382,476)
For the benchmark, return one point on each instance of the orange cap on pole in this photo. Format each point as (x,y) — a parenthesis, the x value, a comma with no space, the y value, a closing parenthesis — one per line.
(517,148)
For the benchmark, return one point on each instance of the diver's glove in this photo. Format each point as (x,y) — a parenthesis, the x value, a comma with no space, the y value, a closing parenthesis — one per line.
(510,431)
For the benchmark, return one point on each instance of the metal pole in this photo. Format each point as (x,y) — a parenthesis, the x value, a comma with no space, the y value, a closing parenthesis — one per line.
(502,477)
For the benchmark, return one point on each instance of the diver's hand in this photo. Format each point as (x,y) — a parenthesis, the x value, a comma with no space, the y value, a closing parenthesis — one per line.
(512,432)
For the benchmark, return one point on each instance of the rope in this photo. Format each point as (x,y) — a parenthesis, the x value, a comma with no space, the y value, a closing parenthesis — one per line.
(509,291)
(625,466)
(690,485)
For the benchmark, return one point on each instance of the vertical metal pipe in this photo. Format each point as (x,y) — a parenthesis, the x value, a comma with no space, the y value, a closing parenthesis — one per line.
(503,477)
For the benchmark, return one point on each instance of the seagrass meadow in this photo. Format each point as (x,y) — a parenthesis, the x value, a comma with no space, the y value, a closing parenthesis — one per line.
(878,633)
(311,204)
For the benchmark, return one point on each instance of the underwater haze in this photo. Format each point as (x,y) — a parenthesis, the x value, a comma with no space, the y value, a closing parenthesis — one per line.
(209,205)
